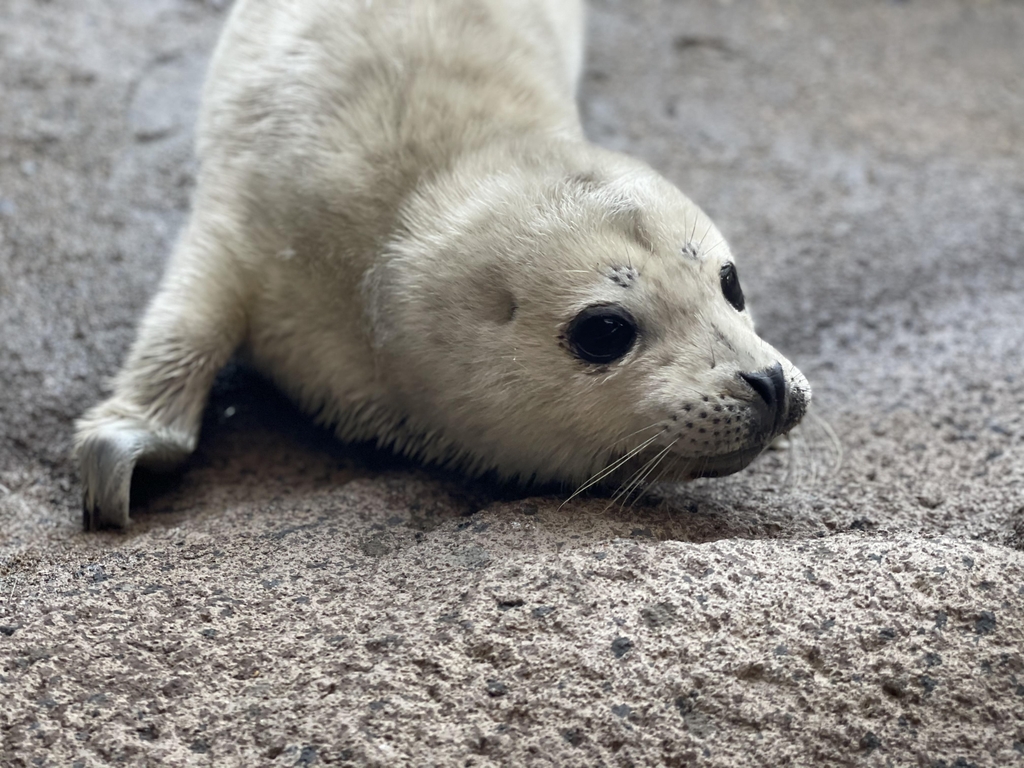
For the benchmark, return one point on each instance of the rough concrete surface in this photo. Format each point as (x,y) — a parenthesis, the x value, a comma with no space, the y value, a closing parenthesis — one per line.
(855,599)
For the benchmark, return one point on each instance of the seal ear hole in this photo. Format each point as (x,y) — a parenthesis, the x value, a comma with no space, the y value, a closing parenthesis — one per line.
(586,179)
(601,334)
(497,305)
(731,286)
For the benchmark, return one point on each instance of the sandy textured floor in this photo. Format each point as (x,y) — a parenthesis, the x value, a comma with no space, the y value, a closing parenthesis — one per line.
(289,601)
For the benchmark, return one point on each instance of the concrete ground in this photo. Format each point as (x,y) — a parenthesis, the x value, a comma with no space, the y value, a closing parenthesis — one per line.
(856,599)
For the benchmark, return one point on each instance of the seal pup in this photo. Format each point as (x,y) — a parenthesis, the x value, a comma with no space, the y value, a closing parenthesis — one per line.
(398,219)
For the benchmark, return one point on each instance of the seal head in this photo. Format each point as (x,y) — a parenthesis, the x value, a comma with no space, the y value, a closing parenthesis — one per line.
(557,326)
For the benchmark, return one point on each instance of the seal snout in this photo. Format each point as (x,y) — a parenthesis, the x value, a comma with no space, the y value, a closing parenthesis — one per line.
(770,385)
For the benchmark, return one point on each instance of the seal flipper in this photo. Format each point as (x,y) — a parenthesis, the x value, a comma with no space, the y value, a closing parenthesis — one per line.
(108,455)
(191,328)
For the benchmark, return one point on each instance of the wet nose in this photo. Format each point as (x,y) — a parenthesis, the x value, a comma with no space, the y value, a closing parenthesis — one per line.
(770,385)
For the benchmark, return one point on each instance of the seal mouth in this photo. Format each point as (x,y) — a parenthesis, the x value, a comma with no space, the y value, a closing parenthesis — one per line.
(693,467)
(726,464)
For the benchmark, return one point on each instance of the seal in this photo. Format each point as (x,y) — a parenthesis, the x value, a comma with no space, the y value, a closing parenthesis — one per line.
(398,219)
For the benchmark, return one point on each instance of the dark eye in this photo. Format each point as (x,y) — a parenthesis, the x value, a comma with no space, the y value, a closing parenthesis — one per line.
(731,287)
(601,334)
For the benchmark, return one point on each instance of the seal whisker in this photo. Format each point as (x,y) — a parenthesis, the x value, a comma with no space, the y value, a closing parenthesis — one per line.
(709,250)
(793,466)
(603,473)
(669,467)
(641,474)
(647,484)
(661,457)
(706,233)
(627,483)
(625,488)
(830,434)
(638,431)
(697,392)
(816,470)
(703,465)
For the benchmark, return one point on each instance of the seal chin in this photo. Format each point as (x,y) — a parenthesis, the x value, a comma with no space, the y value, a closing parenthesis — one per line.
(726,464)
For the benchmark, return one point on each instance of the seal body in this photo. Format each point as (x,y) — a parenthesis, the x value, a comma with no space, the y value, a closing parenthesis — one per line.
(399,220)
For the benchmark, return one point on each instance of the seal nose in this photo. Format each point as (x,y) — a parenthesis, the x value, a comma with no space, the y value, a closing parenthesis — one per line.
(770,384)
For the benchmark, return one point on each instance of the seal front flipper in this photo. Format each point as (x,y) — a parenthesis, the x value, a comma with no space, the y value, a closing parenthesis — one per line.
(191,328)
(109,450)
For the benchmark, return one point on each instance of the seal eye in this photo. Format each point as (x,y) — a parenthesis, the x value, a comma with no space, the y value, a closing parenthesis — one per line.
(731,287)
(602,334)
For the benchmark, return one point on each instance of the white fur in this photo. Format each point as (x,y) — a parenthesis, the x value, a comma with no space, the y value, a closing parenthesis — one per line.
(396,217)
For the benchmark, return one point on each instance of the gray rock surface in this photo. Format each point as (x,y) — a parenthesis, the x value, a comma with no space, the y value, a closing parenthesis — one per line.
(854,599)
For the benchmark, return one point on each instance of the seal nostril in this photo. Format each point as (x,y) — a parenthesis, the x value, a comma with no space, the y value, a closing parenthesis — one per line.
(770,384)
